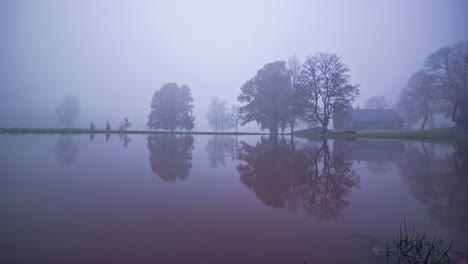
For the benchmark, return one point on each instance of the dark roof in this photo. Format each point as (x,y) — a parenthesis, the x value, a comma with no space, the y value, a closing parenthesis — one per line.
(374,115)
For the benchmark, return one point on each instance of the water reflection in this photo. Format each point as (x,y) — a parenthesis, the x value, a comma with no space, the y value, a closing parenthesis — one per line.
(66,149)
(170,156)
(220,147)
(107,137)
(310,177)
(437,179)
(125,139)
(378,154)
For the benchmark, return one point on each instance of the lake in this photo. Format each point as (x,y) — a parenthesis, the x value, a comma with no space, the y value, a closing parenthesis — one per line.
(224,199)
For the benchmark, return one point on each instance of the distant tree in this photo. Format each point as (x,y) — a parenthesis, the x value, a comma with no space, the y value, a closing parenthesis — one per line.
(218,115)
(325,87)
(419,100)
(92,127)
(108,127)
(378,102)
(68,111)
(294,68)
(125,125)
(266,97)
(171,108)
(449,65)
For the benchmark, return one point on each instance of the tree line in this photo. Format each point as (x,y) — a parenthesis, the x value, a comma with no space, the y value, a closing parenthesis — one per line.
(284,92)
(437,87)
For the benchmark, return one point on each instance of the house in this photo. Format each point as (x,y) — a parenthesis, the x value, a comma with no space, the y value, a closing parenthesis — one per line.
(359,119)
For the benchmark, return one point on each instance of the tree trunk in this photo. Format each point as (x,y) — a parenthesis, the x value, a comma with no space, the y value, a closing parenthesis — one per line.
(274,129)
(423,125)
(292,125)
(325,126)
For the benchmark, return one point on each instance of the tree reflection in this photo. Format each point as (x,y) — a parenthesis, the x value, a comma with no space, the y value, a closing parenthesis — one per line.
(312,177)
(125,139)
(66,149)
(219,148)
(170,156)
(436,178)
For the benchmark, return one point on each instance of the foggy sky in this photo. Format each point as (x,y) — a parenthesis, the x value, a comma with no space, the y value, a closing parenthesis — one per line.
(113,55)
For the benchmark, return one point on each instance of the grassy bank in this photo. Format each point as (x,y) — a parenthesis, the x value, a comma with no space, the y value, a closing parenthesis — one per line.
(88,131)
(439,134)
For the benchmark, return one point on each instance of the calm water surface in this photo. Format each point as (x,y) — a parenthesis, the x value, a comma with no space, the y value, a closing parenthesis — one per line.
(221,199)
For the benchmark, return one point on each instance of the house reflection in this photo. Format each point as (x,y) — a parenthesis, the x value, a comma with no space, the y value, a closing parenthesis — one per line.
(437,177)
(170,156)
(311,177)
(378,154)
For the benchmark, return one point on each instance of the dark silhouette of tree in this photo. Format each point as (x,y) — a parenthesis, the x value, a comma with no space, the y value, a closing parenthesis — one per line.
(438,181)
(108,127)
(125,125)
(92,127)
(310,177)
(325,87)
(234,117)
(449,65)
(170,156)
(220,147)
(66,149)
(171,108)
(266,97)
(378,102)
(68,111)
(326,189)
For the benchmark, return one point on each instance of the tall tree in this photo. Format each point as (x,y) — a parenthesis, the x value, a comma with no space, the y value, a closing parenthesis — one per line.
(378,102)
(234,117)
(294,68)
(171,108)
(418,100)
(266,97)
(68,111)
(325,87)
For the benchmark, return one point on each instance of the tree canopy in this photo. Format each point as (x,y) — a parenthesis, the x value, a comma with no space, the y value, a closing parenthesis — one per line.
(378,102)
(171,108)
(68,111)
(266,97)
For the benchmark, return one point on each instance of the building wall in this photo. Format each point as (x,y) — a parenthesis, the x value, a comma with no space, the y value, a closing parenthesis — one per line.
(376,125)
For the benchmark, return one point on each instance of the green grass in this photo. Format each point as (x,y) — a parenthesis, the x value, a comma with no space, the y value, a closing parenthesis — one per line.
(97,131)
(439,134)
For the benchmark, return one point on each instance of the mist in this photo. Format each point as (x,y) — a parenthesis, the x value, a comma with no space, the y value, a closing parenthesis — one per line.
(113,55)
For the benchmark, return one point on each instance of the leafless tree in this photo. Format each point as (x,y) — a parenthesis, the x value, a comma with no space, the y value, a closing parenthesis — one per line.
(325,87)
(294,67)
(218,115)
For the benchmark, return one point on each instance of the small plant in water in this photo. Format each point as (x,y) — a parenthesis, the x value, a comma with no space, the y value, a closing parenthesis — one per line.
(416,248)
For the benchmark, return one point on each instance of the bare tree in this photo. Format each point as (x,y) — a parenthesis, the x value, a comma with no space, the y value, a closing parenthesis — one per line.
(234,117)
(325,88)
(125,125)
(378,102)
(68,111)
(218,116)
